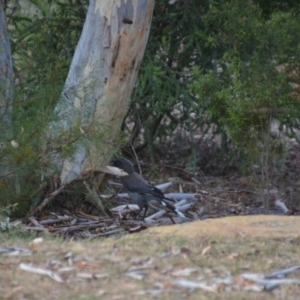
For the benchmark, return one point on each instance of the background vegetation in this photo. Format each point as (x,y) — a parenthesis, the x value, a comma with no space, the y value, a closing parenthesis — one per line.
(229,68)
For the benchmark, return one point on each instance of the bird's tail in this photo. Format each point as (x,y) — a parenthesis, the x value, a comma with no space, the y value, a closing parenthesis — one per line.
(169,199)
(159,194)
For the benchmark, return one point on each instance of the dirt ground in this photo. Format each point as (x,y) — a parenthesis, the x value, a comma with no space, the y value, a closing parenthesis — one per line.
(200,260)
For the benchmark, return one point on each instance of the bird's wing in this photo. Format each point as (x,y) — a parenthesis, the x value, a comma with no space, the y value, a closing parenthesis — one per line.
(159,194)
(136,184)
(139,188)
(156,192)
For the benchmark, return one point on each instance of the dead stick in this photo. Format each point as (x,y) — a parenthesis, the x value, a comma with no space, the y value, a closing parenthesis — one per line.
(35,222)
(47,200)
(34,228)
(111,232)
(53,221)
(78,227)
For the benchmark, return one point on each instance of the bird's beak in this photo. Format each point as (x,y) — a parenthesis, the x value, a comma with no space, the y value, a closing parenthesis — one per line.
(114,171)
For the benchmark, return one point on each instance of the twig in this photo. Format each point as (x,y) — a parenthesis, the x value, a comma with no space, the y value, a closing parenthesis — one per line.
(87,216)
(77,227)
(35,228)
(180,196)
(111,232)
(136,158)
(35,222)
(125,208)
(95,197)
(47,200)
(184,207)
(236,192)
(149,220)
(59,220)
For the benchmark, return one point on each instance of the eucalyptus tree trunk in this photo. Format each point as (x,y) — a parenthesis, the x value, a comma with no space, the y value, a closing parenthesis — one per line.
(99,84)
(6,76)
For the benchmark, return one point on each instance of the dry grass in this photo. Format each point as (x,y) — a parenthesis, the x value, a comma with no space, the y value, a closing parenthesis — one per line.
(146,265)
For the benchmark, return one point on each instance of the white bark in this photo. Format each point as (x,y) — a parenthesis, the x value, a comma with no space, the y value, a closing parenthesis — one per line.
(6,75)
(101,79)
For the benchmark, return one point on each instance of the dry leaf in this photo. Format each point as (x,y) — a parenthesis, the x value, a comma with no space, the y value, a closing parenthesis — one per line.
(185,250)
(136,274)
(41,271)
(193,285)
(233,256)
(15,251)
(205,250)
(184,272)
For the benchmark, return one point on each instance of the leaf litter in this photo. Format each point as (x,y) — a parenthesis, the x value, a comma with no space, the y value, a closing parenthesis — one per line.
(173,272)
(200,203)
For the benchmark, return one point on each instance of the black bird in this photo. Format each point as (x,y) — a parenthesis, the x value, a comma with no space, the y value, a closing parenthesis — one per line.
(139,189)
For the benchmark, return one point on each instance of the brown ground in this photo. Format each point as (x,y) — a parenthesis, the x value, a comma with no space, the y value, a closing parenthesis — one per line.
(148,265)
(259,225)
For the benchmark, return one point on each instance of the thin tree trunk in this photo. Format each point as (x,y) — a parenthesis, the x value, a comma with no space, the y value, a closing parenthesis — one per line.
(100,82)
(6,76)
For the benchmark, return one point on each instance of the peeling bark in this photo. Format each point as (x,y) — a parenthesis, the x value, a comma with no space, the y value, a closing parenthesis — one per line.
(101,79)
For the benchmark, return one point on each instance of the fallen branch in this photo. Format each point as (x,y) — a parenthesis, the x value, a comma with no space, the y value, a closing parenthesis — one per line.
(72,228)
(34,228)
(35,222)
(150,219)
(53,221)
(180,196)
(126,208)
(184,207)
(107,233)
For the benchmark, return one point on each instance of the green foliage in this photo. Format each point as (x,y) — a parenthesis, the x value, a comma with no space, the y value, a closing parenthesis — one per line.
(6,225)
(230,63)
(43,36)
(165,72)
(218,60)
(252,84)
